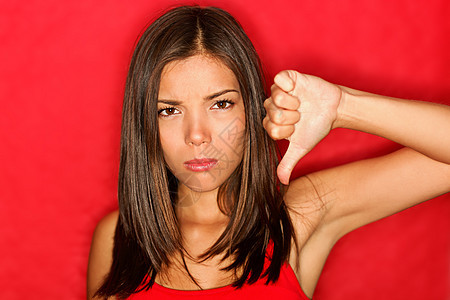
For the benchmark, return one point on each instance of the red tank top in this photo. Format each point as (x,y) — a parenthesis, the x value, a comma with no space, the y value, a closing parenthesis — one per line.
(287,287)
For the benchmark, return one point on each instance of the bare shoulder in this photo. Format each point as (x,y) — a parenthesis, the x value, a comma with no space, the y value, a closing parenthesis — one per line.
(326,205)
(100,256)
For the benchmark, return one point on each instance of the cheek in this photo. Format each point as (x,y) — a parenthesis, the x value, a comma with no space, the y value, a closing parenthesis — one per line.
(168,140)
(234,133)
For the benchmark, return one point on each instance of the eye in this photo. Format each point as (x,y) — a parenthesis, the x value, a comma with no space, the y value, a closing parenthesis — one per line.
(167,111)
(223,104)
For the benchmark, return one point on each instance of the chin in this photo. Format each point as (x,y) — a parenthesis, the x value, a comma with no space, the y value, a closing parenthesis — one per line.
(202,183)
(204,186)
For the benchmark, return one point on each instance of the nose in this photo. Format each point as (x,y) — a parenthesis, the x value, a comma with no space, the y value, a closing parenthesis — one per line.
(197,130)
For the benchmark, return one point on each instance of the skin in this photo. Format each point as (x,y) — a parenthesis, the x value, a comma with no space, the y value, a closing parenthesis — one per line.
(325,205)
(198,126)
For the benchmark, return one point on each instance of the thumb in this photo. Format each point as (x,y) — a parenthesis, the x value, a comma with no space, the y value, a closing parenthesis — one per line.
(285,81)
(290,159)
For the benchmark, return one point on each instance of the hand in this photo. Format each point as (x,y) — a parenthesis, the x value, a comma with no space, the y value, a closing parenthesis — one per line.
(302,109)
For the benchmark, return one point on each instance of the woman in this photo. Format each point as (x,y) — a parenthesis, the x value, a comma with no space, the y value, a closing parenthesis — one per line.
(201,211)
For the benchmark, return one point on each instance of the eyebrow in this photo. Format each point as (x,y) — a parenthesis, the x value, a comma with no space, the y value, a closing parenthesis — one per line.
(207,98)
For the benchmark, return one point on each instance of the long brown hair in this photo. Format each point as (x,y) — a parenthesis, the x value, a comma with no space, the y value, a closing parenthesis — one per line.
(147,233)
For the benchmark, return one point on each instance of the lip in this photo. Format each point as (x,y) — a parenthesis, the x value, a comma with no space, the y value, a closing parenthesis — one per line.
(200,165)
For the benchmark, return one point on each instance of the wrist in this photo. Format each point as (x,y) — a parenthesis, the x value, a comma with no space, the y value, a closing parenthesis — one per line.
(343,110)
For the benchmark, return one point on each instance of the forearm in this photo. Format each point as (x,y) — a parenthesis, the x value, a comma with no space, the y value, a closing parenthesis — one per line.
(422,126)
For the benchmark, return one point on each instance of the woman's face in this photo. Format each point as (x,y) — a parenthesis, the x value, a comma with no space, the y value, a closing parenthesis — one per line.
(201,121)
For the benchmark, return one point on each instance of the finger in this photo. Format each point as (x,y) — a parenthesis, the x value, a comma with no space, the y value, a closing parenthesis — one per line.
(281,116)
(290,159)
(283,99)
(285,81)
(277,132)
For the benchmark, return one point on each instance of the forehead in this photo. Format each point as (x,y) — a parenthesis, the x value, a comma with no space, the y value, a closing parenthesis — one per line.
(194,75)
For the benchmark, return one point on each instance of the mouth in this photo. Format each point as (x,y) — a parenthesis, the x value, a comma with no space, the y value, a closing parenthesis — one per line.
(200,165)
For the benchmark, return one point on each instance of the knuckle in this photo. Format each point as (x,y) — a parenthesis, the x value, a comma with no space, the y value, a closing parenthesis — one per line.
(274,132)
(273,89)
(278,99)
(265,122)
(279,117)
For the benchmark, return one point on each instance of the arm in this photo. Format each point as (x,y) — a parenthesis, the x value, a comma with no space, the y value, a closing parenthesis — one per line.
(347,197)
(100,256)
(392,183)
(422,126)
(303,109)
(397,181)
(361,192)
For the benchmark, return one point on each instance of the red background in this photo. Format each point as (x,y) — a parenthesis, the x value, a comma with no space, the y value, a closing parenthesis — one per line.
(62,74)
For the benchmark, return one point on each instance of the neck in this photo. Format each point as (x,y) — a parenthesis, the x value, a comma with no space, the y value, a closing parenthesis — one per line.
(198,208)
